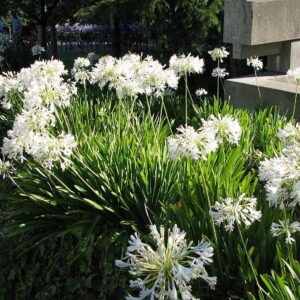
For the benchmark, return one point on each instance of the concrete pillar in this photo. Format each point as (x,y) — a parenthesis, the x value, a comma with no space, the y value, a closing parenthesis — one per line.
(289,58)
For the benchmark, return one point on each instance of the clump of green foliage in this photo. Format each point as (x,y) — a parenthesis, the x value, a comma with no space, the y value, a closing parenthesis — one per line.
(76,222)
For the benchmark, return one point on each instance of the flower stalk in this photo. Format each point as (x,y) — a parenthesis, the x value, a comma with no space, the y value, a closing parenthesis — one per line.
(295,100)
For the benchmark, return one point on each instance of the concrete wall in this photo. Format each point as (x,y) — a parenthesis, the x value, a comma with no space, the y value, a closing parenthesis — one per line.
(275,90)
(261,23)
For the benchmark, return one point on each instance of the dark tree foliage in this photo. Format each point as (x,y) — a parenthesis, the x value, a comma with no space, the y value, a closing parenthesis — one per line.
(179,25)
(43,13)
(185,26)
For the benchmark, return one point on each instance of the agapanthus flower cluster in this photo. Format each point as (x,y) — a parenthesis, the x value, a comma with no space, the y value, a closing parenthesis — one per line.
(6,168)
(294,75)
(104,73)
(219,72)
(80,70)
(285,228)
(186,64)
(41,90)
(199,144)
(255,63)
(225,128)
(289,136)
(9,87)
(201,92)
(37,50)
(282,173)
(218,54)
(165,269)
(241,211)
(131,75)
(191,143)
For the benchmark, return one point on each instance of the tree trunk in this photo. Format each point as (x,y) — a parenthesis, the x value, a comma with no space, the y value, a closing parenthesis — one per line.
(42,26)
(39,34)
(42,35)
(54,52)
(116,38)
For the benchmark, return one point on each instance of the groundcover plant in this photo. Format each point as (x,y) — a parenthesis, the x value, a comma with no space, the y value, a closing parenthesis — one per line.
(206,195)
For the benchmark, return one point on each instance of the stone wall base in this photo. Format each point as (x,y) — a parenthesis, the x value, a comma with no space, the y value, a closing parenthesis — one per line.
(275,90)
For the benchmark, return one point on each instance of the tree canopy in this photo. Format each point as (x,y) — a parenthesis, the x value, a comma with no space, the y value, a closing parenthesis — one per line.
(182,25)
(179,25)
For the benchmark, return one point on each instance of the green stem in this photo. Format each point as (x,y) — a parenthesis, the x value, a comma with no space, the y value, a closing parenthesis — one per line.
(218,83)
(223,87)
(295,100)
(148,105)
(165,109)
(247,254)
(161,108)
(85,91)
(290,250)
(119,119)
(13,181)
(151,118)
(186,91)
(132,101)
(258,89)
(213,227)
(190,95)
(250,260)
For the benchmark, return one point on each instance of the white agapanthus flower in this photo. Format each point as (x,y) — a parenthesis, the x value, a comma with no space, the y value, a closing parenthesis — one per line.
(128,88)
(219,72)
(218,53)
(41,89)
(295,194)
(255,63)
(104,72)
(5,168)
(166,269)
(9,86)
(230,211)
(37,50)
(79,70)
(207,143)
(42,75)
(59,150)
(33,139)
(191,143)
(276,173)
(154,79)
(282,173)
(186,64)
(285,228)
(131,76)
(201,92)
(81,62)
(6,104)
(290,135)
(224,128)
(294,74)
